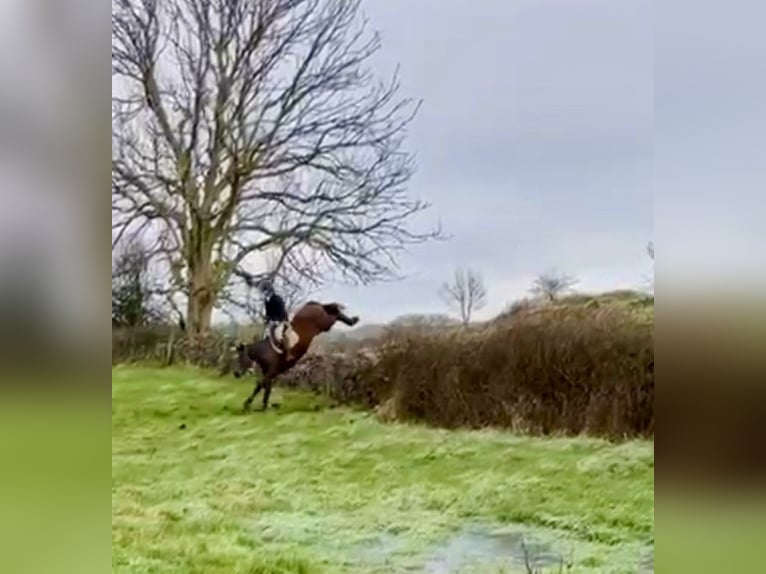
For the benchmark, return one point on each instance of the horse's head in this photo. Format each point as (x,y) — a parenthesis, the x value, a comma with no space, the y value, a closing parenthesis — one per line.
(242,361)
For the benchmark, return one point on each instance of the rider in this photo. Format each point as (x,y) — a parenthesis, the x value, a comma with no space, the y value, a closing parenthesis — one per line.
(278,322)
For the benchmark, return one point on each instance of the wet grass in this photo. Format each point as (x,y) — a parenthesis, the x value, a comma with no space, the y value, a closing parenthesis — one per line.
(199,487)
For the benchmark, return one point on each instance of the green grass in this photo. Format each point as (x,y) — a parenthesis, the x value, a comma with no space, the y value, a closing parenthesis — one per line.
(307,488)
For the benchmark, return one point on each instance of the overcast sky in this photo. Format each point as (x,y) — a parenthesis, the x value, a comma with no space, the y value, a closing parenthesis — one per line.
(534,144)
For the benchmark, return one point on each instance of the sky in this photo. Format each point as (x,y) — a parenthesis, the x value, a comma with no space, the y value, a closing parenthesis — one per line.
(534,145)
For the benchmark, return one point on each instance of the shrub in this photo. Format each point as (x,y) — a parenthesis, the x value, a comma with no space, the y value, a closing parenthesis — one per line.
(344,377)
(166,345)
(561,369)
(131,344)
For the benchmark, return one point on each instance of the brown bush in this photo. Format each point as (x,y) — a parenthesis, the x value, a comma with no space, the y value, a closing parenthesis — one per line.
(344,377)
(557,370)
(140,344)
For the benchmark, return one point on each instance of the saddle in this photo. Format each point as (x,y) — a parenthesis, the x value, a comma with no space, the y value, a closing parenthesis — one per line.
(282,337)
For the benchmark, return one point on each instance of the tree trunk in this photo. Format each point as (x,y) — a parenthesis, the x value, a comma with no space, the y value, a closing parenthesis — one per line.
(201,296)
(199,311)
(202,292)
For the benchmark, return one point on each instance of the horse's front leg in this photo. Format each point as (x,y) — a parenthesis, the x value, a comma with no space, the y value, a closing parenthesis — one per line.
(252,396)
(266,392)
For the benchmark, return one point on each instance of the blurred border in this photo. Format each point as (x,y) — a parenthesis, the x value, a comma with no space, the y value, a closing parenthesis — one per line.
(710,468)
(55,445)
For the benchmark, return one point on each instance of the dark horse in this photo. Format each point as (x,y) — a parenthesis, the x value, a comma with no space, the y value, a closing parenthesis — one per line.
(310,320)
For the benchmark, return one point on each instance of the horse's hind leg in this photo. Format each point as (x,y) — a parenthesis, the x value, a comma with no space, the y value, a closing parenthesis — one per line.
(346,320)
(252,396)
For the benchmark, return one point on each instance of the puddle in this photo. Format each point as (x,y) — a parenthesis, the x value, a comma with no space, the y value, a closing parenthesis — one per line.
(508,549)
(468,548)
(481,547)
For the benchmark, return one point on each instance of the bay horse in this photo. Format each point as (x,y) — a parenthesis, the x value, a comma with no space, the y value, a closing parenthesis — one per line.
(308,322)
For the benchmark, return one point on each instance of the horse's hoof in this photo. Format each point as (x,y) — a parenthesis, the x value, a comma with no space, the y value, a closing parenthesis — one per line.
(275,405)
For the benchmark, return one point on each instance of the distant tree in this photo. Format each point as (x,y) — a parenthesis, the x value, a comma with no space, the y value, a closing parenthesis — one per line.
(466,293)
(553,284)
(133,301)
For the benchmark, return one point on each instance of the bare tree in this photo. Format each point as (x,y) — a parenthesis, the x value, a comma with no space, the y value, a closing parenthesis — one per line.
(552,284)
(251,136)
(466,293)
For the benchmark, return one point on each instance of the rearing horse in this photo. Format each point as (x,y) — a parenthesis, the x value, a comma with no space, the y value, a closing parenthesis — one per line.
(310,320)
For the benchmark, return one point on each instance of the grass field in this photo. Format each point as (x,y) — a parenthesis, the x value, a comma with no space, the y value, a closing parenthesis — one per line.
(198,487)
